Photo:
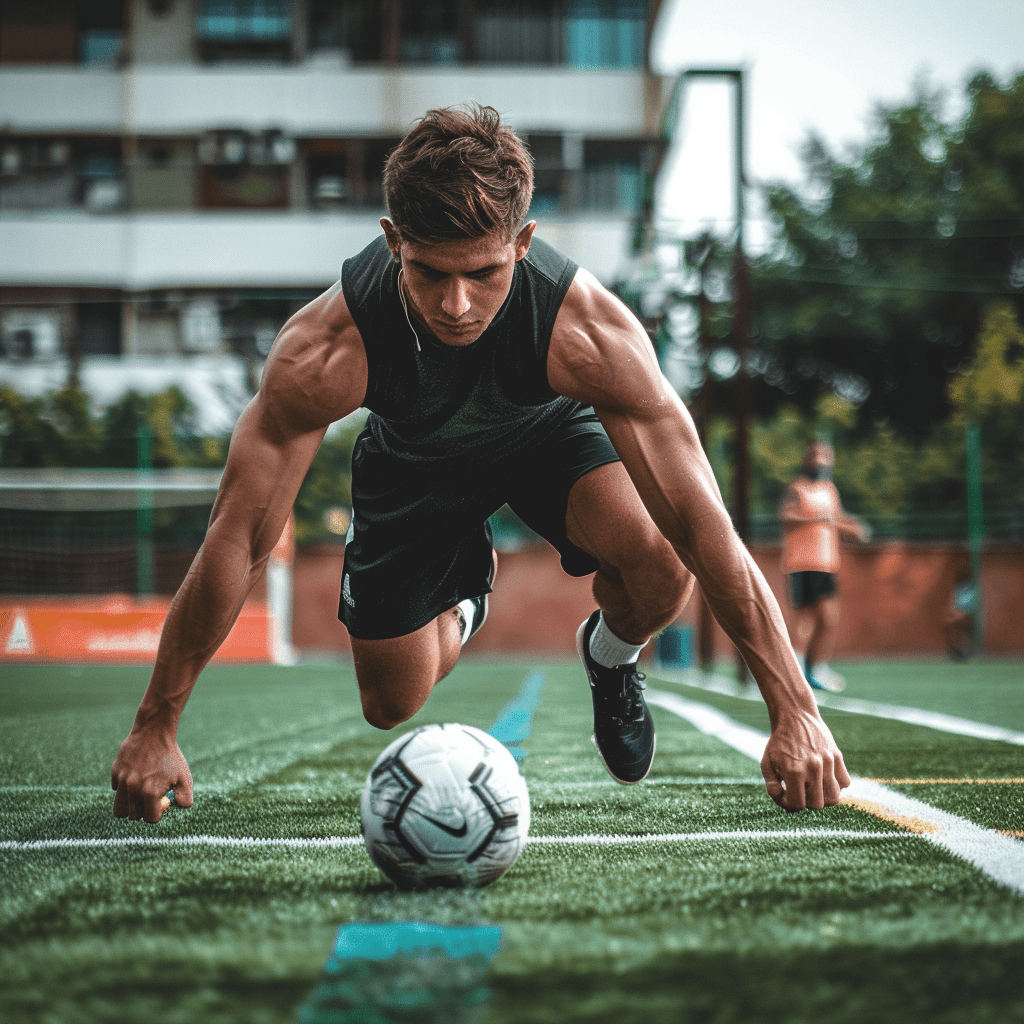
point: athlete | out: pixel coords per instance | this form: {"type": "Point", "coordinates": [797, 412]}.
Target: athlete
{"type": "Point", "coordinates": [494, 370]}
{"type": "Point", "coordinates": [813, 521]}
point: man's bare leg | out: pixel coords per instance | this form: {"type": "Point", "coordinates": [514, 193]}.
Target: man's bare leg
{"type": "Point", "coordinates": [822, 644]}
{"type": "Point", "coordinates": [396, 675]}
{"type": "Point", "coordinates": [804, 620]}
{"type": "Point", "coordinates": [826, 623]}
{"type": "Point", "coordinates": [641, 586]}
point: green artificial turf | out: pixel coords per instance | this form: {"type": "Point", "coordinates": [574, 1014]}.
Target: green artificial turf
{"type": "Point", "coordinates": [774, 927]}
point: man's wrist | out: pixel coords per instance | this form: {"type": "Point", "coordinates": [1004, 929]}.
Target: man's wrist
{"type": "Point", "coordinates": [157, 716]}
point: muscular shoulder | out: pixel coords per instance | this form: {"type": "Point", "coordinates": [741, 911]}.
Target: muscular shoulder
{"type": "Point", "coordinates": [600, 353]}
{"type": "Point", "coordinates": [316, 372]}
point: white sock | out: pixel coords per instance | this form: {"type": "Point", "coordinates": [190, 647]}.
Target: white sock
{"type": "Point", "coordinates": [468, 610]}
{"type": "Point", "coordinates": [609, 650]}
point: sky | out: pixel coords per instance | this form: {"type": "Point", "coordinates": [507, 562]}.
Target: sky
{"type": "Point", "coordinates": [809, 64]}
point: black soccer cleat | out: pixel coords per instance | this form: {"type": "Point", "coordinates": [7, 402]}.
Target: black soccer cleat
{"type": "Point", "coordinates": [623, 727]}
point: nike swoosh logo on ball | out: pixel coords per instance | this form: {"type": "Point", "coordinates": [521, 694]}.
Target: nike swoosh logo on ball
{"type": "Point", "coordinates": [457, 832]}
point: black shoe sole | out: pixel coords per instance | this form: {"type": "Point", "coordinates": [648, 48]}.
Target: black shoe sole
{"type": "Point", "coordinates": [626, 782]}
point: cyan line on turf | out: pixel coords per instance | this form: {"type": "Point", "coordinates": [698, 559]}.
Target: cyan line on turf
{"type": "Point", "coordinates": [435, 972]}
{"type": "Point", "coordinates": [515, 720]}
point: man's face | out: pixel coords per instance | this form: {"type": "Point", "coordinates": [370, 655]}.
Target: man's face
{"type": "Point", "coordinates": [455, 288]}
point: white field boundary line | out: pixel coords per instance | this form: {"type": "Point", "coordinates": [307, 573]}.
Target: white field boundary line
{"type": "Point", "coordinates": [339, 842]}
{"type": "Point", "coordinates": [999, 856]}
{"type": "Point", "coordinates": [203, 789]}
{"type": "Point", "coordinates": [897, 712]}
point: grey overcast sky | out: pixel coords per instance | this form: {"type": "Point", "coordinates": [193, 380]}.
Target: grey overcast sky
{"type": "Point", "coordinates": [811, 64]}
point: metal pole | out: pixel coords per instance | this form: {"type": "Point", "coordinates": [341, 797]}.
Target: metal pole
{"type": "Point", "coordinates": [144, 512]}
{"type": "Point", "coordinates": [975, 522]}
{"type": "Point", "coordinates": [705, 410]}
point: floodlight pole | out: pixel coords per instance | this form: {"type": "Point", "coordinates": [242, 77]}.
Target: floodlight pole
{"type": "Point", "coordinates": [740, 336]}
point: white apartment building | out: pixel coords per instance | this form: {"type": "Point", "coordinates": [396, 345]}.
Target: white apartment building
{"type": "Point", "coordinates": [178, 176]}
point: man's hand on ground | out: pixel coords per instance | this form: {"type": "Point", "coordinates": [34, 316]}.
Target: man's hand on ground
{"type": "Point", "coordinates": [147, 766]}
{"type": "Point", "coordinates": [802, 766]}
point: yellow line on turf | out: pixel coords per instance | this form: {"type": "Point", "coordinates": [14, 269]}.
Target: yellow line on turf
{"type": "Point", "coordinates": [948, 782]}
{"type": "Point", "coordinates": [1010, 832]}
{"type": "Point", "coordinates": [912, 824]}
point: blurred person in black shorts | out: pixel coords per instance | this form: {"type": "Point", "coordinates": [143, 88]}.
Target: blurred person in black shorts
{"type": "Point", "coordinates": [813, 521]}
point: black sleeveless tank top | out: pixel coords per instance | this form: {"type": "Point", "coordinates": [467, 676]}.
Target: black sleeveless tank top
{"type": "Point", "coordinates": [473, 403]}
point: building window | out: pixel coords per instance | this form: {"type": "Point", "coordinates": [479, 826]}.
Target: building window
{"type": "Point", "coordinates": [613, 175]}
{"type": "Point", "coordinates": [53, 174]}
{"type": "Point", "coordinates": [605, 33]}
{"type": "Point", "coordinates": [239, 170]}
{"type": "Point", "coordinates": [30, 334]}
{"type": "Point", "coordinates": [99, 329]}
{"type": "Point", "coordinates": [525, 33]}
{"type": "Point", "coordinates": [580, 33]}
{"type": "Point", "coordinates": [256, 29]}
{"type": "Point", "coordinates": [346, 173]}
{"type": "Point", "coordinates": [61, 31]}
{"type": "Point", "coordinates": [163, 175]}
{"type": "Point", "coordinates": [573, 174]}
{"type": "Point", "coordinates": [432, 32]}
{"type": "Point", "coordinates": [351, 28]}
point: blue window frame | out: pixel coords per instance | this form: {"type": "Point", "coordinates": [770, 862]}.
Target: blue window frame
{"type": "Point", "coordinates": [261, 21]}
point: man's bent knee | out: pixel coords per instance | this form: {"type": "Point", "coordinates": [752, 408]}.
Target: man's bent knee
{"type": "Point", "coordinates": [385, 711]}
{"type": "Point", "coordinates": [667, 583]}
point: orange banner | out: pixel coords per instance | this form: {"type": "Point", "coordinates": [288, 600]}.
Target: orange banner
{"type": "Point", "coordinates": [117, 628]}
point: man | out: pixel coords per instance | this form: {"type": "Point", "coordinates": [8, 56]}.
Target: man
{"type": "Point", "coordinates": [813, 521]}
{"type": "Point", "coordinates": [495, 371]}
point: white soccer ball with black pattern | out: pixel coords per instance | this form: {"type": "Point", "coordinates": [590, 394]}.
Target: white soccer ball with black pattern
{"type": "Point", "coordinates": [445, 805]}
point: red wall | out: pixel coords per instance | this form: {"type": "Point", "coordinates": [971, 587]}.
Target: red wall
{"type": "Point", "coordinates": [894, 597]}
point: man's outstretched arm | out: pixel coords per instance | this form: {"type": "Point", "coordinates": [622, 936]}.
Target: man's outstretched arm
{"type": "Point", "coordinates": [601, 355]}
{"type": "Point", "coordinates": [271, 449]}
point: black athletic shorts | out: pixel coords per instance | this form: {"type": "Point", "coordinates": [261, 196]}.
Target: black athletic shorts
{"type": "Point", "coordinates": [809, 587]}
{"type": "Point", "coordinates": [420, 542]}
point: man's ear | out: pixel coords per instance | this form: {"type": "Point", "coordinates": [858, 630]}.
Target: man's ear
{"type": "Point", "coordinates": [524, 238]}
{"type": "Point", "coordinates": [394, 239]}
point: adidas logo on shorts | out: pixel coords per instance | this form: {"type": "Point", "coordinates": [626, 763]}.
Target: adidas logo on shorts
{"type": "Point", "coordinates": [346, 592]}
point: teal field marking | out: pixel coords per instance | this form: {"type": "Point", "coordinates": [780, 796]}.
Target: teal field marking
{"type": "Point", "coordinates": [381, 941]}
{"type": "Point", "coordinates": [414, 970]}
{"type": "Point", "coordinates": [513, 724]}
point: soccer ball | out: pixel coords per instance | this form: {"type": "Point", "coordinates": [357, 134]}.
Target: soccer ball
{"type": "Point", "coordinates": [445, 805]}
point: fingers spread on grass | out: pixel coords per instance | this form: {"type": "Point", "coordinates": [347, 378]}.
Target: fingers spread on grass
{"type": "Point", "coordinates": [796, 792]}
{"type": "Point", "coordinates": [121, 800]}
{"type": "Point", "coordinates": [815, 787]}
{"type": "Point", "coordinates": [153, 807]}
{"type": "Point", "coordinates": [182, 785]}
{"type": "Point", "coordinates": [830, 781]}
{"type": "Point", "coordinates": [772, 782]}
{"type": "Point", "coordinates": [842, 775]}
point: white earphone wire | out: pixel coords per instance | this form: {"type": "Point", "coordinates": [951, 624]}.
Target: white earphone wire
{"type": "Point", "coordinates": [405, 309]}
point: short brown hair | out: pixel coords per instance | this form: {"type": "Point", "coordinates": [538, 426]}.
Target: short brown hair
{"type": "Point", "coordinates": [458, 174]}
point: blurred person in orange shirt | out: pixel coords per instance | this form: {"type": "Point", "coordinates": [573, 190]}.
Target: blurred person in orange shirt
{"type": "Point", "coordinates": [813, 521]}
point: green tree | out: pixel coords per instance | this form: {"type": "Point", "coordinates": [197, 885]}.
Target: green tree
{"type": "Point", "coordinates": [885, 261]}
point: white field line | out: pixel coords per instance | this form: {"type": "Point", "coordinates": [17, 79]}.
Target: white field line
{"type": "Point", "coordinates": [876, 709]}
{"type": "Point", "coordinates": [998, 856]}
{"type": "Point", "coordinates": [346, 784]}
{"type": "Point", "coordinates": [337, 842]}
